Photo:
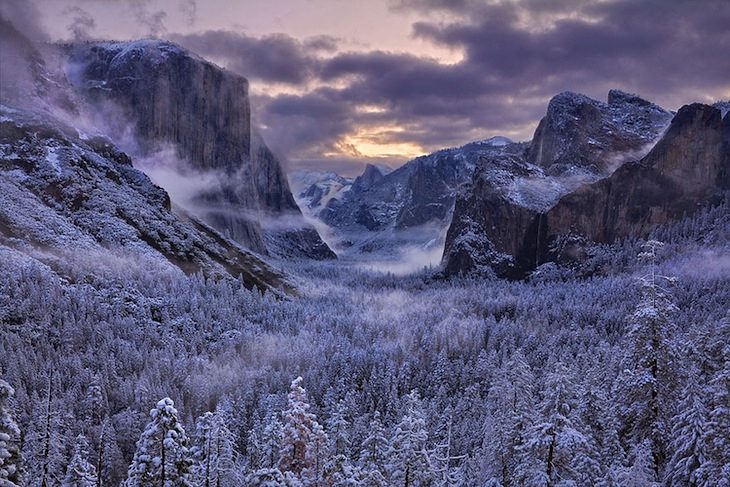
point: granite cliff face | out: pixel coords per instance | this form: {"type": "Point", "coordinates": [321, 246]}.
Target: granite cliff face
{"type": "Point", "coordinates": [579, 132]}
{"type": "Point", "coordinates": [495, 228]}
{"type": "Point", "coordinates": [175, 99]}
{"type": "Point", "coordinates": [688, 168]}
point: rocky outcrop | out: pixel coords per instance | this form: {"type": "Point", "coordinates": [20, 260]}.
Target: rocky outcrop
{"type": "Point", "coordinates": [579, 132]}
{"type": "Point", "coordinates": [687, 168]}
{"type": "Point", "coordinates": [493, 215]}
{"type": "Point", "coordinates": [175, 99]}
{"type": "Point", "coordinates": [369, 178]}
{"type": "Point", "coordinates": [286, 233]}
{"type": "Point", "coordinates": [272, 185]}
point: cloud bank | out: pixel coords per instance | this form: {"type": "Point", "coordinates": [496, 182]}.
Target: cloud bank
{"type": "Point", "coordinates": [323, 104]}
{"type": "Point", "coordinates": [515, 56]}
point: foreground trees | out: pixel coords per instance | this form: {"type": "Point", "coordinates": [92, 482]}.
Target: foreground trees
{"type": "Point", "coordinates": [162, 457]}
{"type": "Point", "coordinates": [551, 380]}
{"type": "Point", "coordinates": [10, 458]}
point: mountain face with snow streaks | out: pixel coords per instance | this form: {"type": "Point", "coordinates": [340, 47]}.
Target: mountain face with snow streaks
{"type": "Point", "coordinates": [627, 184]}
{"type": "Point", "coordinates": [172, 98]}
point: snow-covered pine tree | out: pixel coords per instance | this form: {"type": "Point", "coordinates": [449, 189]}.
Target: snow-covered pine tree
{"type": "Point", "coordinates": [410, 464]}
{"type": "Point", "coordinates": [10, 457]}
{"type": "Point", "coordinates": [687, 445]}
{"type": "Point", "coordinates": [595, 412]}
{"type": "Point", "coordinates": [44, 444]}
{"type": "Point", "coordinates": [339, 430]}
{"type": "Point", "coordinates": [642, 472]}
{"type": "Point", "coordinates": [298, 427]}
{"type": "Point", "coordinates": [373, 456]}
{"type": "Point", "coordinates": [270, 477]}
{"type": "Point", "coordinates": [339, 472]}
{"type": "Point", "coordinates": [213, 452]}
{"type": "Point", "coordinates": [162, 458]}
{"type": "Point", "coordinates": [443, 457]}
{"type": "Point", "coordinates": [80, 473]}
{"type": "Point", "coordinates": [316, 457]}
{"type": "Point", "coordinates": [649, 365]}
{"type": "Point", "coordinates": [555, 450]}
{"type": "Point", "coordinates": [716, 470]}
{"type": "Point", "coordinates": [264, 441]}
{"type": "Point", "coordinates": [511, 409]}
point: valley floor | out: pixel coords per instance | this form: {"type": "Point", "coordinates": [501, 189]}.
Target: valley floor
{"type": "Point", "coordinates": [411, 380]}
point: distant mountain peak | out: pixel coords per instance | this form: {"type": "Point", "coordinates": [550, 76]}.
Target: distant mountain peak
{"type": "Point", "coordinates": [498, 141]}
{"type": "Point", "coordinates": [371, 175]}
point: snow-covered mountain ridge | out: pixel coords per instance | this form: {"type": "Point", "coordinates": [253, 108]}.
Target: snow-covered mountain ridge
{"type": "Point", "coordinates": [555, 214]}
{"type": "Point", "coordinates": [385, 214]}
{"type": "Point", "coordinates": [580, 141]}
{"type": "Point", "coordinates": [68, 197]}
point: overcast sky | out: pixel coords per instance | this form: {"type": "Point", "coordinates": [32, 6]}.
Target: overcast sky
{"type": "Point", "coordinates": [335, 83]}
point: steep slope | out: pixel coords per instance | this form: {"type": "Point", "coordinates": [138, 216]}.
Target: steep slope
{"type": "Point", "coordinates": [286, 233]}
{"type": "Point", "coordinates": [686, 169]}
{"type": "Point", "coordinates": [173, 98]}
{"type": "Point", "coordinates": [66, 195]}
{"type": "Point", "coordinates": [497, 221]}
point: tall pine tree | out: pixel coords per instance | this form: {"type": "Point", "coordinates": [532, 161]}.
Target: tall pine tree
{"type": "Point", "coordinates": [649, 366]}
{"type": "Point", "coordinates": [10, 458]}
{"type": "Point", "coordinates": [80, 473]}
{"type": "Point", "coordinates": [162, 458]}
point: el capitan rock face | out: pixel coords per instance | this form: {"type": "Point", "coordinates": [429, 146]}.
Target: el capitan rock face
{"type": "Point", "coordinates": [686, 169]}
{"type": "Point", "coordinates": [174, 98]}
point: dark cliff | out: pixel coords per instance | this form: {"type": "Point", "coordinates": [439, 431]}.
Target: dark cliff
{"type": "Point", "coordinates": [175, 99]}
{"type": "Point", "coordinates": [686, 169]}
{"type": "Point", "coordinates": [286, 232]}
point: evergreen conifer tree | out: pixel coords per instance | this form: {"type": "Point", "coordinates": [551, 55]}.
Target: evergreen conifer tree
{"type": "Point", "coordinates": [298, 427]}
{"type": "Point", "coordinates": [80, 473]}
{"type": "Point", "coordinates": [649, 365]}
{"type": "Point", "coordinates": [10, 457]}
{"type": "Point", "coordinates": [162, 458]}
{"type": "Point", "coordinates": [410, 464]}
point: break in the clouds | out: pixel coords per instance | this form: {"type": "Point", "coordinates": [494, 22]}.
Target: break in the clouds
{"type": "Point", "coordinates": [332, 101]}
{"type": "Point", "coordinates": [515, 55]}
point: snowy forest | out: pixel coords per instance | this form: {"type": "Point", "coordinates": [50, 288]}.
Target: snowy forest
{"type": "Point", "coordinates": [612, 372]}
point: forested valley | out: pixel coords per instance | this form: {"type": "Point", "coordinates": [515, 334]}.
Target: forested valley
{"type": "Point", "coordinates": [612, 372]}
